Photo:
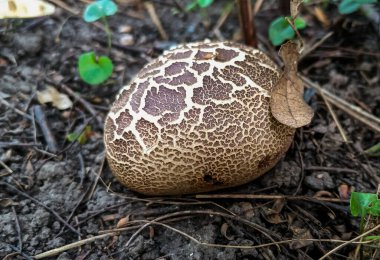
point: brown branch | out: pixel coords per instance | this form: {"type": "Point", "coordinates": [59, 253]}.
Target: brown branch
{"type": "Point", "coordinates": [246, 22]}
{"type": "Point", "coordinates": [40, 117]}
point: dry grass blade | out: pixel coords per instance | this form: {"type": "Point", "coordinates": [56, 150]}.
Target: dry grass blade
{"type": "Point", "coordinates": [156, 21]}
{"type": "Point", "coordinates": [356, 112]}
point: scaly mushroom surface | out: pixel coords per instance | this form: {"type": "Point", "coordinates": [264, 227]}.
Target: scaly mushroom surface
{"type": "Point", "coordinates": [196, 119]}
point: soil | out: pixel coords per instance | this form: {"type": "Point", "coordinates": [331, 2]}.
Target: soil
{"type": "Point", "coordinates": [55, 196]}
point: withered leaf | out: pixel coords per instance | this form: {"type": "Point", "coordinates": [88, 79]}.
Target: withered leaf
{"type": "Point", "coordinates": [287, 103]}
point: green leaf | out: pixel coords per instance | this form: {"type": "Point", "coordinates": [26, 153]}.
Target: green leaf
{"type": "Point", "coordinates": [204, 3]}
{"type": "Point", "coordinates": [364, 203]}
{"type": "Point", "coordinates": [80, 137]}
{"type": "Point", "coordinates": [365, 1]}
{"type": "Point", "coordinates": [99, 9]}
{"type": "Point", "coordinates": [94, 71]}
{"type": "Point", "coordinates": [299, 23]}
{"type": "Point", "coordinates": [373, 151]}
{"type": "Point", "coordinates": [348, 6]}
{"type": "Point", "coordinates": [280, 30]}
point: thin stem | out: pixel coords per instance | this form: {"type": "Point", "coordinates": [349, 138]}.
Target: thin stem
{"type": "Point", "coordinates": [108, 32]}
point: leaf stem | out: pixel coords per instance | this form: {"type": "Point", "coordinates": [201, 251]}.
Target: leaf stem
{"type": "Point", "coordinates": [108, 32]}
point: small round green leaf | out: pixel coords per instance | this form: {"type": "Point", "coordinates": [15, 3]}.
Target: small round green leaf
{"type": "Point", "coordinates": [94, 71]}
{"type": "Point", "coordinates": [299, 23]}
{"type": "Point", "coordinates": [280, 30]}
{"type": "Point", "coordinates": [99, 9]}
{"type": "Point", "coordinates": [204, 3]}
{"type": "Point", "coordinates": [348, 6]}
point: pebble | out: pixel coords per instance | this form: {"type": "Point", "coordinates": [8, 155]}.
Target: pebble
{"type": "Point", "coordinates": [127, 39]}
{"type": "Point", "coordinates": [319, 181]}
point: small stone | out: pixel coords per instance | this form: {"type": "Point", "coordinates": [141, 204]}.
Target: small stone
{"type": "Point", "coordinates": [319, 181]}
{"type": "Point", "coordinates": [127, 40]}
{"type": "Point", "coordinates": [30, 43]}
{"type": "Point", "coordinates": [125, 28]}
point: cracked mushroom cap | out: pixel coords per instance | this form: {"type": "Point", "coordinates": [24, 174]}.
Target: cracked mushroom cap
{"type": "Point", "coordinates": [196, 119]}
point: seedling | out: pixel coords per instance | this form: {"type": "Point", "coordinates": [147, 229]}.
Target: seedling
{"type": "Point", "coordinates": [81, 137]}
{"type": "Point", "coordinates": [350, 6]}
{"type": "Point", "coordinates": [95, 70]}
{"type": "Point", "coordinates": [198, 3]}
{"type": "Point", "coordinates": [280, 30]}
{"type": "Point", "coordinates": [363, 204]}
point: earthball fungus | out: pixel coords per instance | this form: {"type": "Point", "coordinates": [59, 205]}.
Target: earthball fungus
{"type": "Point", "coordinates": [196, 119]}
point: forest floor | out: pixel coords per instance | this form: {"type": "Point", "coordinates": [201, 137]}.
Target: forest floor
{"type": "Point", "coordinates": [56, 196]}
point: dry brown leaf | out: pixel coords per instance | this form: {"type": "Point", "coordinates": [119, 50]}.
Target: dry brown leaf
{"type": "Point", "coordinates": [301, 234]}
{"type": "Point", "coordinates": [223, 230]}
{"type": "Point", "coordinates": [287, 103]}
{"type": "Point", "coordinates": [123, 222]}
{"type": "Point", "coordinates": [59, 100]}
{"type": "Point", "coordinates": [7, 202]}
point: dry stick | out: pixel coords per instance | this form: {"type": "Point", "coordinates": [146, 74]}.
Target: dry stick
{"type": "Point", "coordinates": [261, 229]}
{"type": "Point", "coordinates": [84, 103]}
{"type": "Point", "coordinates": [246, 22]}
{"type": "Point", "coordinates": [58, 250]}
{"type": "Point", "coordinates": [18, 111]}
{"type": "Point", "coordinates": [18, 228]}
{"type": "Point", "coordinates": [350, 242]}
{"type": "Point", "coordinates": [220, 22]}
{"type": "Point", "coordinates": [64, 6]}
{"type": "Point", "coordinates": [265, 197]}
{"type": "Point", "coordinates": [40, 117]}
{"type": "Point", "coordinates": [330, 169]}
{"type": "Point", "coordinates": [156, 21]}
{"type": "Point", "coordinates": [335, 118]}
{"type": "Point", "coordinates": [356, 112]}
{"type": "Point", "coordinates": [42, 205]}
{"type": "Point", "coordinates": [307, 51]}
{"type": "Point", "coordinates": [9, 170]}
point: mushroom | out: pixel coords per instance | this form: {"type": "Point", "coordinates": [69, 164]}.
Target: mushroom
{"type": "Point", "coordinates": [196, 119]}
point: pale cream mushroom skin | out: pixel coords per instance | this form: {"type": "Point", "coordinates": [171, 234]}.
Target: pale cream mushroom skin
{"type": "Point", "coordinates": [196, 119]}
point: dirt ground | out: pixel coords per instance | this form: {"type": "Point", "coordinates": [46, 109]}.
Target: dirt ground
{"type": "Point", "coordinates": [49, 199]}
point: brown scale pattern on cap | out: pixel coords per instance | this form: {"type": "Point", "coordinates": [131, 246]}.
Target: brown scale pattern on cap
{"type": "Point", "coordinates": [196, 119]}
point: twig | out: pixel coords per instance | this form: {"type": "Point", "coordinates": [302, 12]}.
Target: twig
{"type": "Point", "coordinates": [156, 21]}
{"type": "Point", "coordinates": [97, 177]}
{"type": "Point", "coordinates": [40, 117]}
{"type": "Point", "coordinates": [261, 229]}
{"type": "Point", "coordinates": [9, 170]}
{"type": "Point", "coordinates": [16, 144]}
{"type": "Point", "coordinates": [335, 118]}
{"type": "Point", "coordinates": [58, 250]}
{"type": "Point", "coordinates": [18, 111]}
{"type": "Point", "coordinates": [18, 228]}
{"type": "Point", "coordinates": [64, 6]}
{"type": "Point", "coordinates": [350, 242]}
{"type": "Point", "coordinates": [266, 197]}
{"type": "Point", "coordinates": [330, 169]}
{"type": "Point", "coordinates": [307, 51]}
{"type": "Point", "coordinates": [356, 112]}
{"type": "Point", "coordinates": [40, 204]}
{"type": "Point", "coordinates": [246, 22]}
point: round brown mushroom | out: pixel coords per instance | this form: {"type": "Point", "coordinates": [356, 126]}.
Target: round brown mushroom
{"type": "Point", "coordinates": [196, 119]}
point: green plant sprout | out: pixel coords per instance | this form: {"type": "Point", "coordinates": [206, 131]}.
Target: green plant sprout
{"type": "Point", "coordinates": [82, 137]}
{"type": "Point", "coordinates": [350, 6]}
{"type": "Point", "coordinates": [95, 70]}
{"type": "Point", "coordinates": [280, 30]}
{"type": "Point", "coordinates": [363, 204]}
{"type": "Point", "coordinates": [373, 151]}
{"type": "Point", "coordinates": [198, 3]}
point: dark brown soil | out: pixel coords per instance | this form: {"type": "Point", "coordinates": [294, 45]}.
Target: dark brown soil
{"type": "Point", "coordinates": [49, 198]}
